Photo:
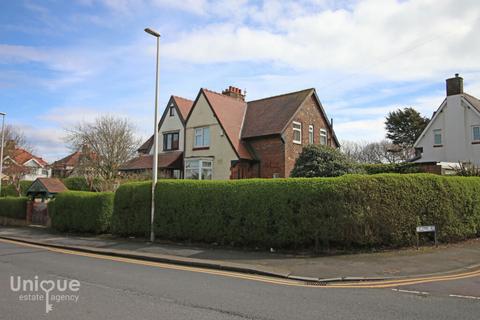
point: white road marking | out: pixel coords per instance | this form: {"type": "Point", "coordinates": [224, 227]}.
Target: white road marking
{"type": "Point", "coordinates": [411, 291]}
{"type": "Point", "coordinates": [464, 297]}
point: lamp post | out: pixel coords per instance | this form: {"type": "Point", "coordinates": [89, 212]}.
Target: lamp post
{"type": "Point", "coordinates": [155, 137]}
{"type": "Point", "coordinates": [3, 114]}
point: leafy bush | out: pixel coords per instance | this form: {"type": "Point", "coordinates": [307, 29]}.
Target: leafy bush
{"type": "Point", "coordinates": [51, 208]}
{"type": "Point", "coordinates": [13, 207]}
{"type": "Point", "coordinates": [24, 185]}
{"type": "Point", "coordinates": [132, 209]}
{"type": "Point", "coordinates": [404, 167]}
{"type": "Point", "coordinates": [81, 211]}
{"type": "Point", "coordinates": [76, 184]}
{"type": "Point", "coordinates": [9, 190]}
{"type": "Point", "coordinates": [321, 161]}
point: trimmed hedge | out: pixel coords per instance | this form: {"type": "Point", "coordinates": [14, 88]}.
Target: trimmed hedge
{"type": "Point", "coordinates": [80, 211]}
{"type": "Point", "coordinates": [348, 211]}
{"type": "Point", "coordinates": [131, 215]}
{"type": "Point", "coordinates": [13, 207]}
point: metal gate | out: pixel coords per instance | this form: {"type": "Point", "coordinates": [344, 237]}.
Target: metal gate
{"type": "Point", "coordinates": [39, 213]}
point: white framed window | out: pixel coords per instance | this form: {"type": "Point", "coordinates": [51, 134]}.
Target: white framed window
{"type": "Point", "coordinates": [297, 132]}
{"type": "Point", "coordinates": [476, 133]}
{"type": "Point", "coordinates": [310, 134]}
{"type": "Point", "coordinates": [202, 137]}
{"type": "Point", "coordinates": [198, 169]}
{"type": "Point", "coordinates": [323, 136]}
{"type": "Point", "coordinates": [437, 137]}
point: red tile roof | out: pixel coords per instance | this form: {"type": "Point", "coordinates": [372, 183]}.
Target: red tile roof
{"type": "Point", "coordinates": [21, 156]}
{"type": "Point", "coordinates": [230, 113]}
{"type": "Point", "coordinates": [165, 160]}
{"type": "Point", "coordinates": [69, 161]}
{"type": "Point", "coordinates": [184, 105]}
{"type": "Point", "coordinates": [271, 115]}
{"type": "Point", "coordinates": [53, 185]}
{"type": "Point", "coordinates": [146, 146]}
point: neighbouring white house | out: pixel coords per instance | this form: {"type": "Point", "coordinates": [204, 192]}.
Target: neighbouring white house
{"type": "Point", "coordinates": [453, 134]}
{"type": "Point", "coordinates": [171, 132]}
{"type": "Point", "coordinates": [22, 165]}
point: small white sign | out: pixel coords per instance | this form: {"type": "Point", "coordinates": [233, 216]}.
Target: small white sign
{"type": "Point", "coordinates": [426, 229]}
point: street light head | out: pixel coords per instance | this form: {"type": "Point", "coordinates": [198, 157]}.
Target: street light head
{"type": "Point", "coordinates": [152, 32]}
{"type": "Point", "coordinates": [3, 114]}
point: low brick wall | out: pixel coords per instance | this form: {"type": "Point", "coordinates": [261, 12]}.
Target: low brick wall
{"type": "Point", "coordinates": [10, 222]}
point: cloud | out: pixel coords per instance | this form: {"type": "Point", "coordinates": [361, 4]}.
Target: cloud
{"type": "Point", "coordinates": [390, 39]}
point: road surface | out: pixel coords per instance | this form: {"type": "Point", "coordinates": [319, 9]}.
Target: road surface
{"type": "Point", "coordinates": [116, 288]}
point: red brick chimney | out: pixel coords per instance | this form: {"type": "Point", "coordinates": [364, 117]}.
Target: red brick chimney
{"type": "Point", "coordinates": [234, 93]}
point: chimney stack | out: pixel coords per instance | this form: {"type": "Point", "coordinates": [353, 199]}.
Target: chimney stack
{"type": "Point", "coordinates": [454, 85]}
{"type": "Point", "coordinates": [234, 93]}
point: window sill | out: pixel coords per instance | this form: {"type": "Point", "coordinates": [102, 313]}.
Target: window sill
{"type": "Point", "coordinates": [438, 145]}
{"type": "Point", "coordinates": [200, 148]}
{"type": "Point", "coordinates": [476, 142]}
{"type": "Point", "coordinates": [297, 142]}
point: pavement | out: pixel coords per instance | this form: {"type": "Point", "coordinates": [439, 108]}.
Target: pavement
{"type": "Point", "coordinates": [393, 264]}
{"type": "Point", "coordinates": [112, 288]}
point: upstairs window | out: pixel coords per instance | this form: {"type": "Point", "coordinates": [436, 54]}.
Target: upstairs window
{"type": "Point", "coordinates": [297, 132]}
{"type": "Point", "coordinates": [437, 137]}
{"type": "Point", "coordinates": [476, 134]}
{"type": "Point", "coordinates": [310, 134]}
{"type": "Point", "coordinates": [323, 136]}
{"type": "Point", "coordinates": [172, 111]}
{"type": "Point", "coordinates": [202, 137]}
{"type": "Point", "coordinates": [170, 141]}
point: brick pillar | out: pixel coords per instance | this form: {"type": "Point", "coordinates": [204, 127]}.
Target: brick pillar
{"type": "Point", "coordinates": [29, 211]}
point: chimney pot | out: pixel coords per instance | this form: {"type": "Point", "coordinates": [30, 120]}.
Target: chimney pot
{"type": "Point", "coordinates": [454, 85]}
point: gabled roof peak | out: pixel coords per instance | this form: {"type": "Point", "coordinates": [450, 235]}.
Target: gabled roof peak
{"type": "Point", "coordinates": [282, 95]}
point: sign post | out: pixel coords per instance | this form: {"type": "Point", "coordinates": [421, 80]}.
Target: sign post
{"type": "Point", "coordinates": [423, 229]}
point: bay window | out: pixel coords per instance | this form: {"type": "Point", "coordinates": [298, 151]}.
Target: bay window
{"type": "Point", "coordinates": [198, 169]}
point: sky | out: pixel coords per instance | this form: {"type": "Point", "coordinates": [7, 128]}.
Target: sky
{"type": "Point", "coordinates": [64, 62]}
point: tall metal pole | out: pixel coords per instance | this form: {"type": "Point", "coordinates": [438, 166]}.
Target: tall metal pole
{"type": "Point", "coordinates": [1, 151]}
{"type": "Point", "coordinates": [155, 137]}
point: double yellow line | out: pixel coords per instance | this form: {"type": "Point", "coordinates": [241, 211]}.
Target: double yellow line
{"type": "Point", "coordinates": [265, 279]}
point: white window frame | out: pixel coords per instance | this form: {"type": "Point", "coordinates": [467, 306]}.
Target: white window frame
{"type": "Point", "coordinates": [323, 135]}
{"type": "Point", "coordinates": [435, 131]}
{"type": "Point", "coordinates": [200, 132]}
{"type": "Point", "coordinates": [200, 168]}
{"type": "Point", "coordinates": [473, 133]}
{"type": "Point", "coordinates": [299, 130]}
{"type": "Point", "coordinates": [311, 134]}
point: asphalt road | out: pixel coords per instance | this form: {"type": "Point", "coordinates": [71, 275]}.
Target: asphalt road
{"type": "Point", "coordinates": [111, 289]}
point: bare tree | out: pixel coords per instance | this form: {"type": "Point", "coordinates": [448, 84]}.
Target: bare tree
{"type": "Point", "coordinates": [374, 152]}
{"type": "Point", "coordinates": [14, 137]}
{"type": "Point", "coordinates": [111, 141]}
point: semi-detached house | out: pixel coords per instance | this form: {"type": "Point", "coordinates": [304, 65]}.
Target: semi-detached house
{"type": "Point", "coordinates": [229, 138]}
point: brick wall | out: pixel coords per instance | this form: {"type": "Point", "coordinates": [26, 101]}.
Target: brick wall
{"type": "Point", "coordinates": [270, 151]}
{"type": "Point", "coordinates": [309, 114]}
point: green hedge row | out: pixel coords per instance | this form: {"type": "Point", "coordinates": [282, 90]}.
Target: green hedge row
{"type": "Point", "coordinates": [347, 211]}
{"type": "Point", "coordinates": [132, 209]}
{"type": "Point", "coordinates": [80, 211]}
{"type": "Point", "coordinates": [13, 207]}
